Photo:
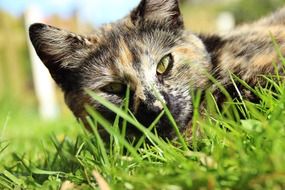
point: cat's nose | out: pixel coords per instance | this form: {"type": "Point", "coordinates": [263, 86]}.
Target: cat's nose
{"type": "Point", "coordinates": [147, 112]}
{"type": "Point", "coordinates": [146, 101]}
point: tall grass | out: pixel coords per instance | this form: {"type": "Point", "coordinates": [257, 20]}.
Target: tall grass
{"type": "Point", "coordinates": [228, 153]}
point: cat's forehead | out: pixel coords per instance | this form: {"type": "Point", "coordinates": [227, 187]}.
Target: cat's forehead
{"type": "Point", "coordinates": [146, 32]}
{"type": "Point", "coordinates": [123, 39]}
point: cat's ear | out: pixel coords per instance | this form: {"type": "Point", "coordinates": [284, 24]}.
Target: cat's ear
{"type": "Point", "coordinates": [56, 47]}
{"type": "Point", "coordinates": [59, 50]}
{"type": "Point", "coordinates": [163, 11]}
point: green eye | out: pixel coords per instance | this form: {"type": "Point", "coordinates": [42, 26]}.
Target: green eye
{"type": "Point", "coordinates": [164, 64]}
{"type": "Point", "coordinates": [115, 88]}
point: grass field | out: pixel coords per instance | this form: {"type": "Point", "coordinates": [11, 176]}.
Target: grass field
{"type": "Point", "coordinates": [229, 153]}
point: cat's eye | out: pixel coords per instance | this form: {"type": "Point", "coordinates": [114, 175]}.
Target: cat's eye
{"type": "Point", "coordinates": [115, 88]}
{"type": "Point", "coordinates": [164, 65]}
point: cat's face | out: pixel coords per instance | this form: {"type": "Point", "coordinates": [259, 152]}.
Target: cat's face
{"type": "Point", "coordinates": [146, 50]}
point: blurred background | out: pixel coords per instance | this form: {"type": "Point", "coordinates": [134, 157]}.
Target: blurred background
{"type": "Point", "coordinates": [21, 87]}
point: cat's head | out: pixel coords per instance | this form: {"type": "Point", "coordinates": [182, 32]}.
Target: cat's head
{"type": "Point", "coordinates": [148, 49]}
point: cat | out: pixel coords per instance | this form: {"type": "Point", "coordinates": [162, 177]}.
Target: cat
{"type": "Point", "coordinates": [150, 49]}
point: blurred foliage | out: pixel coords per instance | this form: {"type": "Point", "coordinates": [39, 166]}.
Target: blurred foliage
{"type": "Point", "coordinates": [16, 82]}
{"type": "Point", "coordinates": [15, 70]}
{"type": "Point", "coordinates": [249, 10]}
{"type": "Point", "coordinates": [200, 17]}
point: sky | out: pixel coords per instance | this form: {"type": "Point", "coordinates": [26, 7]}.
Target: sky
{"type": "Point", "coordinates": [93, 11]}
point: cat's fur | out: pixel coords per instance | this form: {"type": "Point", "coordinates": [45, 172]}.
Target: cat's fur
{"type": "Point", "coordinates": [129, 50]}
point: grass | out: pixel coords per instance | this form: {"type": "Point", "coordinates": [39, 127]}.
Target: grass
{"type": "Point", "coordinates": [229, 153]}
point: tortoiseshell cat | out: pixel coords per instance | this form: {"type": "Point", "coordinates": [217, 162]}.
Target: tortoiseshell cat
{"type": "Point", "coordinates": [150, 49]}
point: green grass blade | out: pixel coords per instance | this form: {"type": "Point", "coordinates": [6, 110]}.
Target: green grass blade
{"type": "Point", "coordinates": [172, 121]}
{"type": "Point", "coordinates": [45, 172]}
{"type": "Point", "coordinates": [150, 128]}
{"type": "Point", "coordinates": [5, 183]}
{"type": "Point", "coordinates": [99, 142]}
{"type": "Point", "coordinates": [108, 127]}
{"type": "Point", "coordinates": [125, 116]}
{"type": "Point", "coordinates": [126, 108]}
{"type": "Point", "coordinates": [14, 179]}
{"type": "Point", "coordinates": [196, 113]}
{"type": "Point", "coordinates": [239, 94]}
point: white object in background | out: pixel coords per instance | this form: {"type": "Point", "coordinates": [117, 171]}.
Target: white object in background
{"type": "Point", "coordinates": [225, 22]}
{"type": "Point", "coordinates": [43, 83]}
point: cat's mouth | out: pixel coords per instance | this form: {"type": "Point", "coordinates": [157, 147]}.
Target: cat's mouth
{"type": "Point", "coordinates": [148, 115]}
{"type": "Point", "coordinates": [163, 128]}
